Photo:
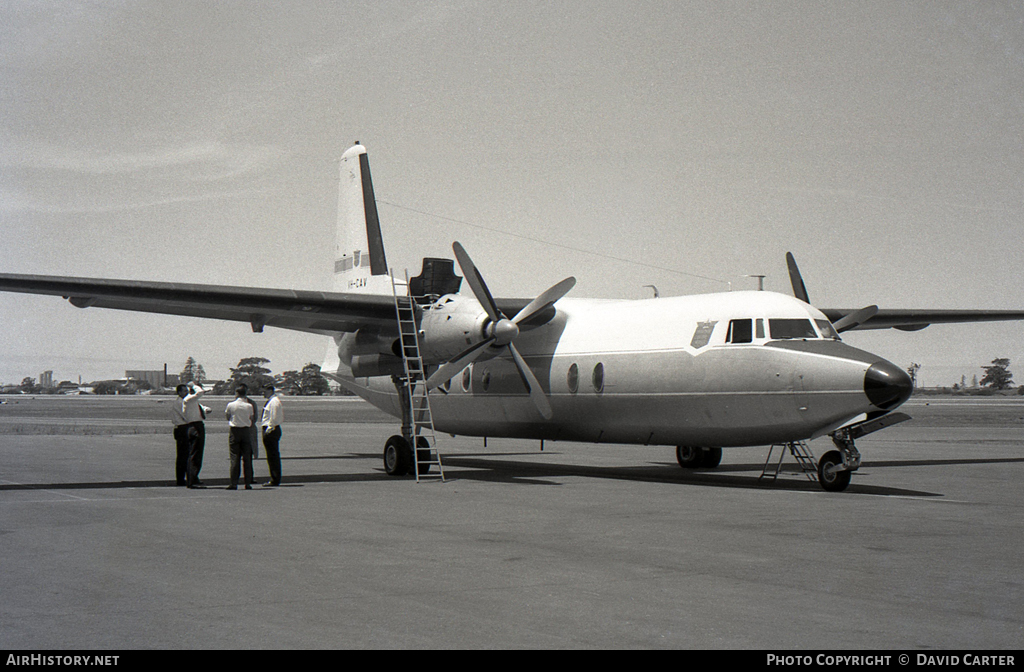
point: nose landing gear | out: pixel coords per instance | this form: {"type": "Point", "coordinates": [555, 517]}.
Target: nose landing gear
{"type": "Point", "coordinates": [835, 467]}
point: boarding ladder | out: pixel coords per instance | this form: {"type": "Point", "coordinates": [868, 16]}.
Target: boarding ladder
{"type": "Point", "coordinates": [800, 452]}
{"type": "Point", "coordinates": [419, 430]}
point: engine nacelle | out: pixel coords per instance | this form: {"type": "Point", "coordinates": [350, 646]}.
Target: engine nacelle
{"type": "Point", "coordinates": [369, 366]}
{"type": "Point", "coordinates": [369, 352]}
{"type": "Point", "coordinates": [449, 326]}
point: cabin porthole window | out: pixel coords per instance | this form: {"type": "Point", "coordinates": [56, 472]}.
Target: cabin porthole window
{"type": "Point", "coordinates": [485, 380]}
{"type": "Point", "coordinates": [598, 378]}
{"type": "Point", "coordinates": [572, 378]}
{"type": "Point", "coordinates": [467, 378]}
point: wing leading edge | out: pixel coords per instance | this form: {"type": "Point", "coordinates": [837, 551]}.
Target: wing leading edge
{"type": "Point", "coordinates": [914, 320]}
{"type": "Point", "coordinates": [317, 312]}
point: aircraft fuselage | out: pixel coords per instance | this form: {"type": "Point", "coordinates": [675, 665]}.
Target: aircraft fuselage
{"type": "Point", "coordinates": [730, 369]}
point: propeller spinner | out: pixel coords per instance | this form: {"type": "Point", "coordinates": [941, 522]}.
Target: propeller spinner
{"type": "Point", "coordinates": [501, 331]}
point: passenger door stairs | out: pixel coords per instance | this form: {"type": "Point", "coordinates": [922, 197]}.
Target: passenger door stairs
{"type": "Point", "coordinates": [800, 451]}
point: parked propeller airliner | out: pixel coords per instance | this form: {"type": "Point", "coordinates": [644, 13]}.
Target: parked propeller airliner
{"type": "Point", "coordinates": [696, 372]}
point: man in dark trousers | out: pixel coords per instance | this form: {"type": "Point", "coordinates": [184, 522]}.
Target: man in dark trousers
{"type": "Point", "coordinates": [273, 416]}
{"type": "Point", "coordinates": [240, 417]}
{"type": "Point", "coordinates": [194, 413]}
{"type": "Point", "coordinates": [180, 435]}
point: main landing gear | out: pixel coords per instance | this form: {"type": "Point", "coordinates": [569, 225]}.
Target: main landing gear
{"type": "Point", "coordinates": [698, 457]}
{"type": "Point", "coordinates": [398, 458]}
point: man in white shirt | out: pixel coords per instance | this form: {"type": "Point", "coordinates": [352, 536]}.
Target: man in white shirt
{"type": "Point", "coordinates": [193, 414]}
{"type": "Point", "coordinates": [240, 418]}
{"type": "Point", "coordinates": [181, 440]}
{"type": "Point", "coordinates": [273, 416]}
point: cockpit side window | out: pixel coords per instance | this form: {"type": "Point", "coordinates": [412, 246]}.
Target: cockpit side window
{"type": "Point", "coordinates": [781, 328]}
{"type": "Point", "coordinates": [827, 330]}
{"type": "Point", "coordinates": [740, 331]}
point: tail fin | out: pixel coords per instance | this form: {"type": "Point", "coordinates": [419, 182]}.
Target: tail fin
{"type": "Point", "coordinates": [359, 262]}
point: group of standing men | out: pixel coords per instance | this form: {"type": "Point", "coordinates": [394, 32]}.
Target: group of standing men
{"type": "Point", "coordinates": [188, 415]}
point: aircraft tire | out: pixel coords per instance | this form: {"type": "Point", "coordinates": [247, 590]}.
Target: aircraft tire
{"type": "Point", "coordinates": [698, 457]}
{"type": "Point", "coordinates": [836, 481]}
{"type": "Point", "coordinates": [422, 454]}
{"type": "Point", "coordinates": [397, 456]}
{"type": "Point", "coordinates": [690, 457]}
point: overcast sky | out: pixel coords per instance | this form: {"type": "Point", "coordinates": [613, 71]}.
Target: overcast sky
{"type": "Point", "coordinates": [680, 144]}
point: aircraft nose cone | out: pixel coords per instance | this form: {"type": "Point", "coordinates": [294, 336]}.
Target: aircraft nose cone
{"type": "Point", "coordinates": [886, 385]}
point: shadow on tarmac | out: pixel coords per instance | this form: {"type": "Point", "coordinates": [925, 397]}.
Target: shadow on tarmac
{"type": "Point", "coordinates": [486, 468]}
{"type": "Point", "coordinates": [663, 472]}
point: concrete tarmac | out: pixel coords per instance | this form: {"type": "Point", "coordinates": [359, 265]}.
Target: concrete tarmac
{"type": "Point", "coordinates": [578, 546]}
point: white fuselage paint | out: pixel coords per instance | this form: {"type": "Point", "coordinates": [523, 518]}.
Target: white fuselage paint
{"type": "Point", "coordinates": [654, 384]}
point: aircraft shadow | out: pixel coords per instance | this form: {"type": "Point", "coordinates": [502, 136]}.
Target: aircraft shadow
{"type": "Point", "coordinates": [488, 467]}
{"type": "Point", "coordinates": [505, 471]}
{"type": "Point", "coordinates": [943, 463]}
{"type": "Point", "coordinates": [349, 456]}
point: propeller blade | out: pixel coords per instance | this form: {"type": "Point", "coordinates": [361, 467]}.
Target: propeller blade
{"type": "Point", "coordinates": [847, 322]}
{"type": "Point", "coordinates": [503, 331]}
{"type": "Point", "coordinates": [548, 297]}
{"type": "Point", "coordinates": [451, 368]}
{"type": "Point", "coordinates": [540, 399]}
{"type": "Point", "coordinates": [476, 283]}
{"type": "Point", "coordinates": [799, 290]}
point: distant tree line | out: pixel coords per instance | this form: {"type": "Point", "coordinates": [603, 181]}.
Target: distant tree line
{"type": "Point", "coordinates": [252, 371]}
{"type": "Point", "coordinates": [998, 378]}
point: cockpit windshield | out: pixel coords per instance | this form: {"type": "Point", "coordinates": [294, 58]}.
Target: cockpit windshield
{"type": "Point", "coordinates": [781, 328]}
{"type": "Point", "coordinates": [827, 330]}
{"type": "Point", "coordinates": [747, 330]}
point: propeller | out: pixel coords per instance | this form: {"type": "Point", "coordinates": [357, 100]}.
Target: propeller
{"type": "Point", "coordinates": [501, 331]}
{"type": "Point", "coordinates": [799, 290]}
{"type": "Point", "coordinates": [851, 320]}
{"type": "Point", "coordinates": [846, 322]}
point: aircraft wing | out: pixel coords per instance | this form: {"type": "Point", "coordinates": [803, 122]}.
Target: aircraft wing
{"type": "Point", "coordinates": [317, 312]}
{"type": "Point", "coordinates": [913, 320]}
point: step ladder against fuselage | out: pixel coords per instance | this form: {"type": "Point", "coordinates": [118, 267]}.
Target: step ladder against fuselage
{"type": "Point", "coordinates": [800, 451]}
{"type": "Point", "coordinates": [417, 421]}
{"type": "Point", "coordinates": [842, 438]}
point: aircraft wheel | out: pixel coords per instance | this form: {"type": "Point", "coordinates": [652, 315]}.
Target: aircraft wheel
{"type": "Point", "coordinates": [690, 457]}
{"type": "Point", "coordinates": [697, 457]}
{"type": "Point", "coordinates": [397, 456]}
{"type": "Point", "coordinates": [835, 481]}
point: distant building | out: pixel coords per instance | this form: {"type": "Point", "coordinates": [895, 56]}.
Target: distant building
{"type": "Point", "coordinates": [154, 378]}
{"type": "Point", "coordinates": [46, 379]}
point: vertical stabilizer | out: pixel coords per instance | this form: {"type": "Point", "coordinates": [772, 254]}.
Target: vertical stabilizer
{"type": "Point", "coordinates": [359, 262]}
